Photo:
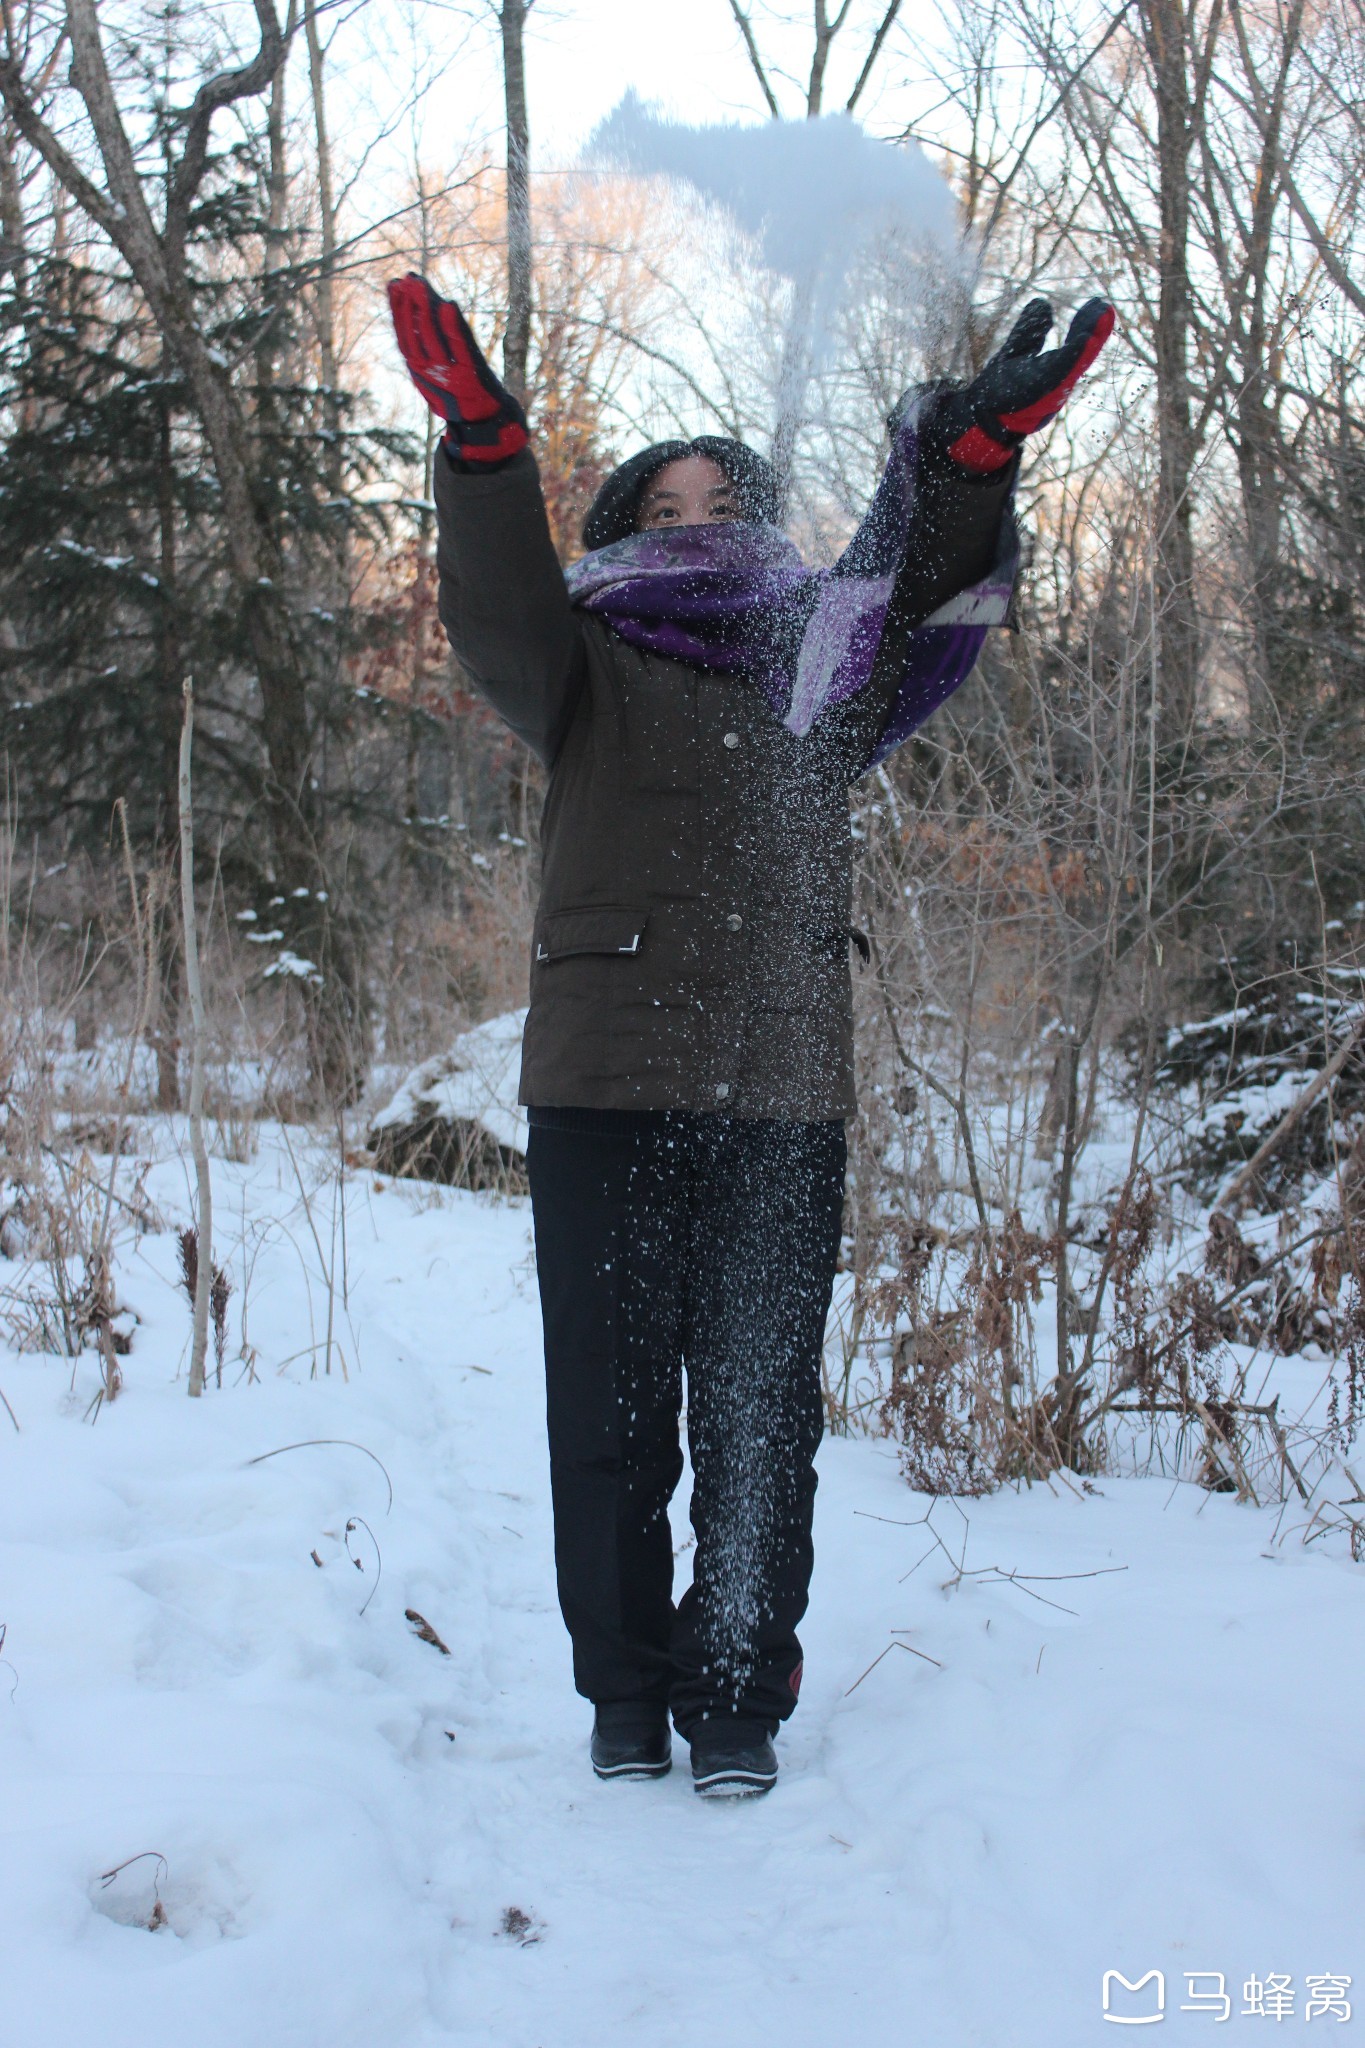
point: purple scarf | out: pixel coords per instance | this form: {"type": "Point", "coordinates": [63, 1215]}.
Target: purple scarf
{"type": "Point", "coordinates": [740, 599]}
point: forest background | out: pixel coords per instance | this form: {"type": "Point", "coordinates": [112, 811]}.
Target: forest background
{"type": "Point", "coordinates": [1124, 864]}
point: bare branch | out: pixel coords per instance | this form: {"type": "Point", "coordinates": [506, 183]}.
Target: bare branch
{"type": "Point", "coordinates": [36, 132]}
{"type": "Point", "coordinates": [746, 29]}
{"type": "Point", "coordinates": [90, 76]}
{"type": "Point", "coordinates": [874, 51]}
{"type": "Point", "coordinates": [214, 94]}
{"type": "Point", "coordinates": [1265, 117]}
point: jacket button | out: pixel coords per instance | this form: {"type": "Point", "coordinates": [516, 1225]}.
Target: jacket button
{"type": "Point", "coordinates": [722, 1090]}
{"type": "Point", "coordinates": [735, 921]}
{"type": "Point", "coordinates": [731, 740]}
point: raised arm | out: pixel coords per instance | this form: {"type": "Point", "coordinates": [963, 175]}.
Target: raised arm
{"type": "Point", "coordinates": [940, 526]}
{"type": "Point", "coordinates": [935, 520]}
{"type": "Point", "coordinates": [502, 597]}
{"type": "Point", "coordinates": [933, 526]}
{"type": "Point", "coordinates": [932, 533]}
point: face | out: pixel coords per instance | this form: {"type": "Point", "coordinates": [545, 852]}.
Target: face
{"type": "Point", "coordinates": [692, 491]}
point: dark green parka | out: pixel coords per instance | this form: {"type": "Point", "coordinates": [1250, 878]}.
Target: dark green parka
{"type": "Point", "coordinates": [691, 948]}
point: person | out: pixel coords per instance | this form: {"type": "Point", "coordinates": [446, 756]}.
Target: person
{"type": "Point", "coordinates": [701, 702]}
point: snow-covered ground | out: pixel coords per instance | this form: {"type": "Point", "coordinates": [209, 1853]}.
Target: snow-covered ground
{"type": "Point", "coordinates": [1146, 1755]}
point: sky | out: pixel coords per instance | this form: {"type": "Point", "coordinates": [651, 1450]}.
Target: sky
{"type": "Point", "coordinates": [582, 56]}
{"type": "Point", "coordinates": [684, 54]}
{"type": "Point", "coordinates": [684, 58]}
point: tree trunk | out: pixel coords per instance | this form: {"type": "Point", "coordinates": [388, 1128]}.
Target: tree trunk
{"type": "Point", "coordinates": [327, 263]}
{"type": "Point", "coordinates": [1163, 28]}
{"type": "Point", "coordinates": [1257, 436]}
{"type": "Point", "coordinates": [14, 256]}
{"type": "Point", "coordinates": [824, 36]}
{"type": "Point", "coordinates": [1257, 467]}
{"type": "Point", "coordinates": [516, 345]}
{"type": "Point", "coordinates": [203, 1179]}
{"type": "Point", "coordinates": [170, 713]}
{"type": "Point", "coordinates": [11, 205]}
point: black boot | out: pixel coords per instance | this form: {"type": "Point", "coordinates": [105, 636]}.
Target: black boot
{"type": "Point", "coordinates": [732, 1759]}
{"type": "Point", "coordinates": [632, 1739]}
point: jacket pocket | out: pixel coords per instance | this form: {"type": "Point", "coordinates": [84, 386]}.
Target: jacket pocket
{"type": "Point", "coordinates": [596, 928]}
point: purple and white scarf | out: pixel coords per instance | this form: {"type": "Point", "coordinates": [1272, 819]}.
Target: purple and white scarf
{"type": "Point", "coordinates": [739, 598]}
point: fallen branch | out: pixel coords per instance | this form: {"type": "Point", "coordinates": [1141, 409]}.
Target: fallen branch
{"type": "Point", "coordinates": [1277, 1429]}
{"type": "Point", "coordinates": [1260, 1411]}
{"type": "Point", "coordinates": [895, 1644]}
{"type": "Point", "coordinates": [1217, 1435]}
{"type": "Point", "coordinates": [1245, 1175]}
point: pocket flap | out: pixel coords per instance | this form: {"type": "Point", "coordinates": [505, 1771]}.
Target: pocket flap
{"type": "Point", "coordinates": [598, 928]}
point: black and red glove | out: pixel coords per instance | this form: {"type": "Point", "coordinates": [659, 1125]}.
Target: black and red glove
{"type": "Point", "coordinates": [485, 424]}
{"type": "Point", "coordinates": [1020, 389]}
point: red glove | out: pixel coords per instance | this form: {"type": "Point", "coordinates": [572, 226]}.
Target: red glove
{"type": "Point", "coordinates": [1019, 390]}
{"type": "Point", "coordinates": [484, 422]}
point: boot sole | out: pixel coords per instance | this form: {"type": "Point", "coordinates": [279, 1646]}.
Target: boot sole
{"type": "Point", "coordinates": [634, 1770]}
{"type": "Point", "coordinates": [724, 1784]}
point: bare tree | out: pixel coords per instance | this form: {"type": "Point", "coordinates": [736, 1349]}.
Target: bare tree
{"type": "Point", "coordinates": [825, 27]}
{"type": "Point", "coordinates": [1131, 96]}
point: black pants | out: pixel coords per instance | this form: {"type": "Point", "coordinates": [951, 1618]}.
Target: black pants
{"type": "Point", "coordinates": [668, 1242]}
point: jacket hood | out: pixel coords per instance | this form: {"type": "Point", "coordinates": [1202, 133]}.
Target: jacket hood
{"type": "Point", "coordinates": [612, 514]}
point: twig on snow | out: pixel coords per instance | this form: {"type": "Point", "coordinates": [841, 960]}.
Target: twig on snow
{"type": "Point", "coordinates": [894, 1644]}
{"type": "Point", "coordinates": [107, 1876]}
{"type": "Point", "coordinates": [311, 1442]}
{"type": "Point", "coordinates": [359, 1522]}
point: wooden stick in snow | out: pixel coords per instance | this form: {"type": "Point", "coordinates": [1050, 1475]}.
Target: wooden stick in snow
{"type": "Point", "coordinates": [195, 989]}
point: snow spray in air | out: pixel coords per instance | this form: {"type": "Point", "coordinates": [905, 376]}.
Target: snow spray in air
{"type": "Point", "coordinates": [813, 194]}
